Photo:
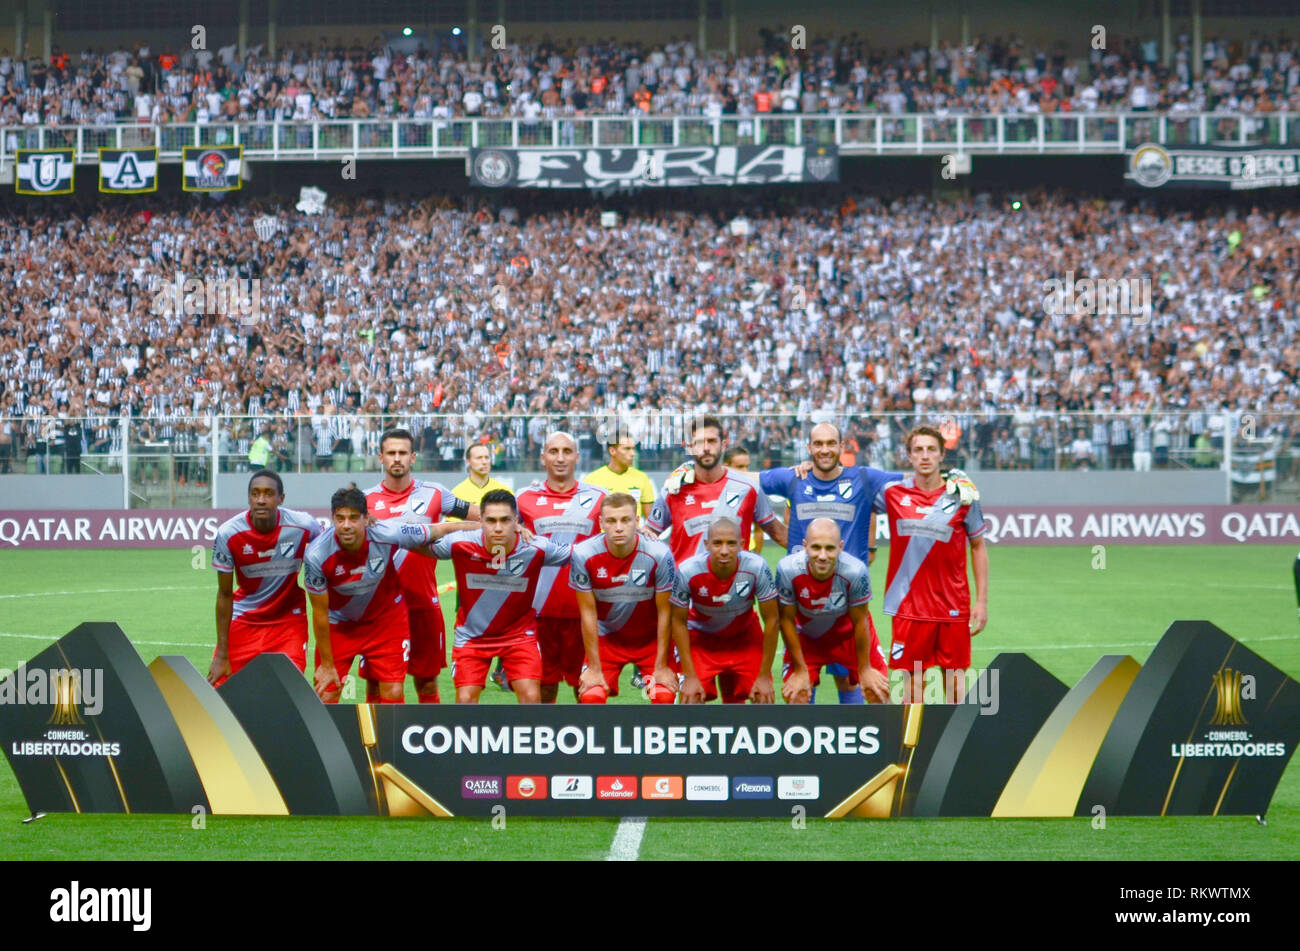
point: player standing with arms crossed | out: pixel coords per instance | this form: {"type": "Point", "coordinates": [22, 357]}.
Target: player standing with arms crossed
{"type": "Point", "coordinates": [415, 501]}
{"type": "Point", "coordinates": [497, 576]}
{"type": "Point", "coordinates": [262, 549]}
{"type": "Point", "coordinates": [926, 589]}
{"type": "Point", "coordinates": [566, 511]}
{"type": "Point", "coordinates": [824, 593]}
{"type": "Point", "coordinates": [356, 596]}
{"type": "Point", "coordinates": [622, 583]}
{"type": "Point", "coordinates": [717, 635]}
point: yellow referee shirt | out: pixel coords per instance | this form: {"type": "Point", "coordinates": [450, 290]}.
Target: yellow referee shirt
{"type": "Point", "coordinates": [467, 491]}
{"type": "Point", "coordinates": [634, 482]}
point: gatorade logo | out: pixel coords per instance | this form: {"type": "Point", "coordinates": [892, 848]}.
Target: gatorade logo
{"type": "Point", "coordinates": [661, 787]}
{"type": "Point", "coordinates": [616, 787]}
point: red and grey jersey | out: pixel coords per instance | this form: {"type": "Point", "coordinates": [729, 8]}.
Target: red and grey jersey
{"type": "Point", "coordinates": [928, 532]}
{"type": "Point", "coordinates": [361, 584]}
{"type": "Point", "coordinates": [495, 592]}
{"type": "Point", "coordinates": [822, 607]}
{"type": "Point", "coordinates": [422, 503]}
{"type": "Point", "coordinates": [689, 511]}
{"type": "Point", "coordinates": [720, 607]}
{"type": "Point", "coordinates": [265, 563]}
{"type": "Point", "coordinates": [624, 588]}
{"type": "Point", "coordinates": [566, 518]}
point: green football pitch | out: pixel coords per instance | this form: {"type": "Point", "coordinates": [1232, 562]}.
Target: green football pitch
{"type": "Point", "coordinates": [1056, 604]}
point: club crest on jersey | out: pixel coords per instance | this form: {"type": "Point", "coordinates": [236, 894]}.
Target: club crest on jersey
{"type": "Point", "coordinates": [375, 564]}
{"type": "Point", "coordinates": [286, 550]}
{"type": "Point", "coordinates": [948, 505]}
{"type": "Point", "coordinates": [637, 576]}
{"type": "Point", "coordinates": [896, 650]}
{"type": "Point", "coordinates": [836, 600]}
{"type": "Point", "coordinates": [743, 588]}
{"type": "Point", "coordinates": [733, 500]}
{"type": "Point", "coordinates": [846, 490]}
{"type": "Point", "coordinates": [418, 506]}
{"type": "Point", "coordinates": [586, 501]}
{"type": "Point", "coordinates": [514, 566]}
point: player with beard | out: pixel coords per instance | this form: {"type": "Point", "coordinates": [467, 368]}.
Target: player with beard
{"type": "Point", "coordinates": [415, 501]}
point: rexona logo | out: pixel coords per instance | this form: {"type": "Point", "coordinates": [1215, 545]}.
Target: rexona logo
{"type": "Point", "coordinates": [752, 787]}
{"type": "Point", "coordinates": [661, 787]}
{"type": "Point", "coordinates": [798, 787]}
{"type": "Point", "coordinates": [526, 787]}
{"type": "Point", "coordinates": [615, 787]}
{"type": "Point", "coordinates": [570, 787]}
{"type": "Point", "coordinates": [480, 787]}
{"type": "Point", "coordinates": [706, 788]}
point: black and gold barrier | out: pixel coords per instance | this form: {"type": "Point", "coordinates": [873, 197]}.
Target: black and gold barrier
{"type": "Point", "coordinates": [1205, 727]}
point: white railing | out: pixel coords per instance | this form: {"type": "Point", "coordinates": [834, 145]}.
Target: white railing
{"type": "Point", "coordinates": [854, 133]}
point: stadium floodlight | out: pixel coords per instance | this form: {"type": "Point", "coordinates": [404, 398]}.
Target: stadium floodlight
{"type": "Point", "coordinates": [407, 31]}
{"type": "Point", "coordinates": [455, 31]}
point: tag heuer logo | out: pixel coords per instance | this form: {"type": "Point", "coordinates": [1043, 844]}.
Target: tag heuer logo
{"type": "Point", "coordinates": [494, 168]}
{"type": "Point", "coordinates": [846, 490]}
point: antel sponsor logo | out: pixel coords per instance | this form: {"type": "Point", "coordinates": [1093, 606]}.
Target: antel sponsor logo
{"type": "Point", "coordinates": [661, 787]}
{"type": "Point", "coordinates": [480, 787]}
{"type": "Point", "coordinates": [798, 787]}
{"type": "Point", "coordinates": [570, 787]}
{"type": "Point", "coordinates": [707, 788]}
{"type": "Point", "coordinates": [526, 787]}
{"type": "Point", "coordinates": [615, 787]}
{"type": "Point", "coordinates": [752, 787]}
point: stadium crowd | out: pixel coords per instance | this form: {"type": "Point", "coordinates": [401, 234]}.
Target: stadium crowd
{"type": "Point", "coordinates": [839, 302]}
{"type": "Point", "coordinates": [548, 80]}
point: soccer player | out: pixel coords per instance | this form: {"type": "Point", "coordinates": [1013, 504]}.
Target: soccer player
{"type": "Point", "coordinates": [926, 589]}
{"type": "Point", "coordinates": [356, 597]}
{"type": "Point", "coordinates": [400, 496]}
{"type": "Point", "coordinates": [479, 481]}
{"type": "Point", "coordinates": [566, 511]}
{"type": "Point", "coordinates": [619, 475]}
{"type": "Point", "coordinates": [824, 593]}
{"type": "Point", "coordinates": [696, 495]}
{"type": "Point", "coordinates": [717, 635]}
{"type": "Point", "coordinates": [497, 575]}
{"type": "Point", "coordinates": [622, 583]}
{"type": "Point", "coordinates": [1297, 581]}
{"type": "Point", "coordinates": [261, 549]}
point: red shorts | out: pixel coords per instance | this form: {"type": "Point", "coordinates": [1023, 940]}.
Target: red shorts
{"type": "Point", "coordinates": [819, 651]}
{"type": "Point", "coordinates": [560, 639]}
{"type": "Point", "coordinates": [733, 661]}
{"type": "Point", "coordinates": [615, 656]}
{"type": "Point", "coordinates": [383, 644]}
{"type": "Point", "coordinates": [520, 655]}
{"type": "Point", "coordinates": [943, 644]}
{"type": "Point", "coordinates": [248, 639]}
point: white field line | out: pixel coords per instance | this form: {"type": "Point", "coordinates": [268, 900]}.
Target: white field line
{"type": "Point", "coordinates": [627, 840]}
{"type": "Point", "coordinates": [55, 637]}
{"type": "Point", "coordinates": [52, 594]}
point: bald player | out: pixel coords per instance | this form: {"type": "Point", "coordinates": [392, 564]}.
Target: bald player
{"type": "Point", "coordinates": [713, 625]}
{"type": "Point", "coordinates": [566, 511]}
{"type": "Point", "coordinates": [824, 592]}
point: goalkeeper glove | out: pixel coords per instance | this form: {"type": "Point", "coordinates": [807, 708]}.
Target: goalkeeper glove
{"type": "Point", "coordinates": [959, 483]}
{"type": "Point", "coordinates": [682, 475]}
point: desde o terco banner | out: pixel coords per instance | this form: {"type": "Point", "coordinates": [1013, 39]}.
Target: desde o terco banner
{"type": "Point", "coordinates": [1233, 168]}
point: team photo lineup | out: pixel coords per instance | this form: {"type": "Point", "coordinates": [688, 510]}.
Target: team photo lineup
{"type": "Point", "coordinates": [671, 430]}
{"type": "Point", "coordinates": [569, 582]}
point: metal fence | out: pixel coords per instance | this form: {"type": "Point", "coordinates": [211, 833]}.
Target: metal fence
{"type": "Point", "coordinates": [169, 462]}
{"type": "Point", "coordinates": [854, 133]}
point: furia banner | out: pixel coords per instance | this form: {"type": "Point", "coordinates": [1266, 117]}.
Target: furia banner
{"type": "Point", "coordinates": [654, 167]}
{"type": "Point", "coordinates": [1205, 727]}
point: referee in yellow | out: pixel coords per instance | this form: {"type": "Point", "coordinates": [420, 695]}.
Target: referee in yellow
{"type": "Point", "coordinates": [479, 482]}
{"type": "Point", "coordinates": [619, 475]}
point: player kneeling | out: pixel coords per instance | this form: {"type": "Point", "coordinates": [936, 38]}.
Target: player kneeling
{"type": "Point", "coordinates": [824, 592]}
{"type": "Point", "coordinates": [356, 597]}
{"type": "Point", "coordinates": [622, 582]}
{"type": "Point", "coordinates": [717, 635]}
